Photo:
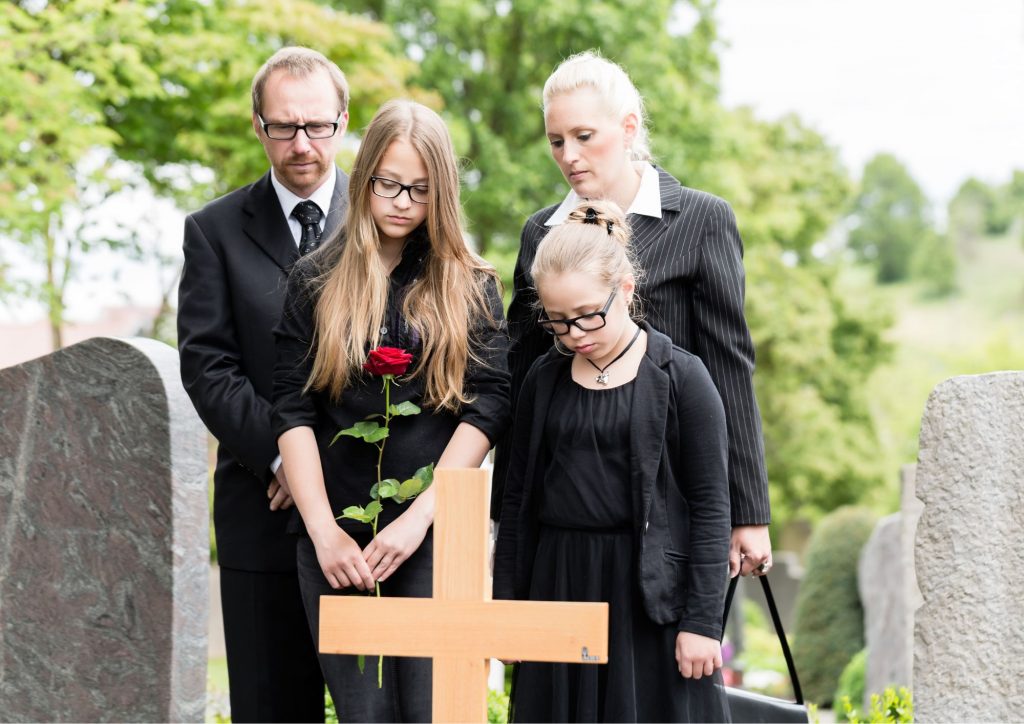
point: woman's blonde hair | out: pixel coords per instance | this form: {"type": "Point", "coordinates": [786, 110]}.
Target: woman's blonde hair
{"type": "Point", "coordinates": [589, 70]}
{"type": "Point", "coordinates": [593, 240]}
{"type": "Point", "coordinates": [441, 303]}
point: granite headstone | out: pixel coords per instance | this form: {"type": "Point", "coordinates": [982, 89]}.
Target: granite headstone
{"type": "Point", "coordinates": [104, 543]}
{"type": "Point", "coordinates": [968, 639]}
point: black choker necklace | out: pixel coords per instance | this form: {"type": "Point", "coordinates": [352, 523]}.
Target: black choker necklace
{"type": "Point", "coordinates": [602, 378]}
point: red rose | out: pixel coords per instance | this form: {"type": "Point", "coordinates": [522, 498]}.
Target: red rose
{"type": "Point", "coordinates": [387, 361]}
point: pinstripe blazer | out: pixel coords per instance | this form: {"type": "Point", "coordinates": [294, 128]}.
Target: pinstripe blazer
{"type": "Point", "coordinates": [693, 291]}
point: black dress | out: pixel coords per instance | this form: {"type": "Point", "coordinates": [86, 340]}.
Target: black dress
{"type": "Point", "coordinates": [585, 552]}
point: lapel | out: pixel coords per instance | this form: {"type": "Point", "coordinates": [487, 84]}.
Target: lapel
{"type": "Point", "coordinates": [339, 203]}
{"type": "Point", "coordinates": [646, 229]}
{"type": "Point", "coordinates": [267, 226]}
{"type": "Point", "coordinates": [649, 416]}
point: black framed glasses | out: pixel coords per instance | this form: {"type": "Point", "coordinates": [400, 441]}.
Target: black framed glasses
{"type": "Point", "coordinates": [287, 131]}
{"type": "Point", "coordinates": [584, 322]}
{"type": "Point", "coordinates": [390, 189]}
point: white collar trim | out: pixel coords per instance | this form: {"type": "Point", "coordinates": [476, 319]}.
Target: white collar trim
{"type": "Point", "coordinates": [647, 201]}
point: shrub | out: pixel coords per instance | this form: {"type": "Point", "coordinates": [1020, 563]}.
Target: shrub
{"type": "Point", "coordinates": [891, 706]}
{"type": "Point", "coordinates": [829, 618]}
{"type": "Point", "coordinates": [851, 681]}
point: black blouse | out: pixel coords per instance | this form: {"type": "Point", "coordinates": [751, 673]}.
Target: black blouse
{"type": "Point", "coordinates": [350, 464]}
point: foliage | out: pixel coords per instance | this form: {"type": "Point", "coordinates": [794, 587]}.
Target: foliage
{"type": "Point", "coordinates": [829, 616]}
{"type": "Point", "coordinates": [935, 265]}
{"type": "Point", "coordinates": [88, 84]}
{"type": "Point", "coordinates": [761, 653]}
{"type": "Point", "coordinates": [892, 217]}
{"type": "Point", "coordinates": [970, 213]}
{"type": "Point", "coordinates": [497, 706]}
{"type": "Point", "coordinates": [488, 59]}
{"type": "Point", "coordinates": [891, 706]}
{"type": "Point", "coordinates": [851, 681]}
{"type": "Point", "coordinates": [816, 347]}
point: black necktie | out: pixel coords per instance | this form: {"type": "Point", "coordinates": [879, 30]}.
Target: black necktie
{"type": "Point", "coordinates": [308, 214]}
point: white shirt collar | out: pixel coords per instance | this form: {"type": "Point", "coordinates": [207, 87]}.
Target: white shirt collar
{"type": "Point", "coordinates": [321, 197]}
{"type": "Point", "coordinates": [647, 201]}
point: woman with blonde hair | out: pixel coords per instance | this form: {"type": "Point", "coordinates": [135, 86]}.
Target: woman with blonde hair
{"type": "Point", "coordinates": [689, 245]}
{"type": "Point", "coordinates": [399, 274]}
{"type": "Point", "coordinates": [617, 492]}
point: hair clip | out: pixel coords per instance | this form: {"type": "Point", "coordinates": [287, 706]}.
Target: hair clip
{"type": "Point", "coordinates": [591, 218]}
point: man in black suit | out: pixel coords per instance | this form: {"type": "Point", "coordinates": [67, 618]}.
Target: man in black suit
{"type": "Point", "coordinates": [238, 252]}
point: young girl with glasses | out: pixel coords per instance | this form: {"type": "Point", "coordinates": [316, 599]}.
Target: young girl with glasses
{"type": "Point", "coordinates": [617, 491]}
{"type": "Point", "coordinates": [399, 274]}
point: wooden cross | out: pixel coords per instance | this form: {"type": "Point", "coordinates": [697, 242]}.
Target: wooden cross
{"type": "Point", "coordinates": [461, 627]}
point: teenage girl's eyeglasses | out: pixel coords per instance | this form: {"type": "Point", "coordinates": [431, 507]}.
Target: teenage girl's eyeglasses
{"type": "Point", "coordinates": [584, 322]}
{"type": "Point", "coordinates": [390, 189]}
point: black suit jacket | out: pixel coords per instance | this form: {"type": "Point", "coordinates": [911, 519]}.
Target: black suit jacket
{"type": "Point", "coordinates": [693, 291]}
{"type": "Point", "coordinates": [238, 252]}
{"type": "Point", "coordinates": [680, 497]}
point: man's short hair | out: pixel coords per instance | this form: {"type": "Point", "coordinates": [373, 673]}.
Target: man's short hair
{"type": "Point", "coordinates": [299, 62]}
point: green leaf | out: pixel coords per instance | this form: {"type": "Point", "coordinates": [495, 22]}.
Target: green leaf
{"type": "Point", "coordinates": [356, 512]}
{"type": "Point", "coordinates": [388, 488]}
{"type": "Point", "coordinates": [373, 509]}
{"type": "Point", "coordinates": [361, 662]}
{"type": "Point", "coordinates": [411, 488]}
{"type": "Point", "coordinates": [404, 409]}
{"type": "Point", "coordinates": [426, 474]}
{"type": "Point", "coordinates": [374, 491]}
{"type": "Point", "coordinates": [377, 435]}
{"type": "Point", "coordinates": [364, 429]}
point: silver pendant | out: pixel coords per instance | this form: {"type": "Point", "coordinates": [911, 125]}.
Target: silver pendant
{"type": "Point", "coordinates": [602, 379]}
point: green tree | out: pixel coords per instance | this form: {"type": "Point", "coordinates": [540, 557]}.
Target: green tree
{"type": "Point", "coordinates": [969, 213]}
{"type": "Point", "coordinates": [88, 84]}
{"type": "Point", "coordinates": [934, 265]}
{"type": "Point", "coordinates": [489, 59]}
{"type": "Point", "coordinates": [891, 217]}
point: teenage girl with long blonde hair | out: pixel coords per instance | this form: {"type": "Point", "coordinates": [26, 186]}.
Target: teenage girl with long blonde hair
{"type": "Point", "coordinates": [399, 274]}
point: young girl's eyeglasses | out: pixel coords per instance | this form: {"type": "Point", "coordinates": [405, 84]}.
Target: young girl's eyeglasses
{"type": "Point", "coordinates": [390, 189]}
{"type": "Point", "coordinates": [584, 322]}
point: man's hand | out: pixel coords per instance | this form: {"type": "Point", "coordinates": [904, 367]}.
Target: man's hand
{"type": "Point", "coordinates": [750, 551]}
{"type": "Point", "coordinates": [279, 493]}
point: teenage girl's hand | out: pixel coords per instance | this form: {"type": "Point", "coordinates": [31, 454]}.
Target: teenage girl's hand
{"type": "Point", "coordinates": [395, 543]}
{"type": "Point", "coordinates": [697, 655]}
{"type": "Point", "coordinates": [340, 559]}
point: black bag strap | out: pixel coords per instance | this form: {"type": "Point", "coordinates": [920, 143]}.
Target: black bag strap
{"type": "Point", "coordinates": [777, 620]}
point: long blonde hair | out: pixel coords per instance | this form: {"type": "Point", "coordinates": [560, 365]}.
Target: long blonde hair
{"type": "Point", "coordinates": [441, 304]}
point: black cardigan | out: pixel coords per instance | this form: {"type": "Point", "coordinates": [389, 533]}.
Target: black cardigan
{"type": "Point", "coordinates": [349, 466]}
{"type": "Point", "coordinates": [680, 492]}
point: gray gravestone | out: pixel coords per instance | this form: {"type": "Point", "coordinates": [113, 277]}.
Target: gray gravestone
{"type": "Point", "coordinates": [880, 577]}
{"type": "Point", "coordinates": [968, 639]}
{"type": "Point", "coordinates": [104, 542]}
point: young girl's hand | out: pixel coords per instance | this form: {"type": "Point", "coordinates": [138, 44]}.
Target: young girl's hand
{"type": "Point", "coordinates": [341, 560]}
{"type": "Point", "coordinates": [394, 544]}
{"type": "Point", "coordinates": [697, 655]}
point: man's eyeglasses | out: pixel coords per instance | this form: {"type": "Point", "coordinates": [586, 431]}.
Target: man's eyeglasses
{"type": "Point", "coordinates": [390, 189]}
{"type": "Point", "coordinates": [287, 131]}
{"type": "Point", "coordinates": [585, 322]}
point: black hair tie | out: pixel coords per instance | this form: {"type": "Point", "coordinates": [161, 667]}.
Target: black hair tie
{"type": "Point", "coordinates": [591, 218]}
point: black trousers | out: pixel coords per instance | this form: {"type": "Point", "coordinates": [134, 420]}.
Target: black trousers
{"type": "Point", "coordinates": [272, 665]}
{"type": "Point", "coordinates": [406, 694]}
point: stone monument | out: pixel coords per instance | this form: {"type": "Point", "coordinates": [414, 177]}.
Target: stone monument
{"type": "Point", "coordinates": [968, 639]}
{"type": "Point", "coordinates": [104, 543]}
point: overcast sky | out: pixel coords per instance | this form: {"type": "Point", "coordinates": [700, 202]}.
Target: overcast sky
{"type": "Point", "coordinates": [939, 83]}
